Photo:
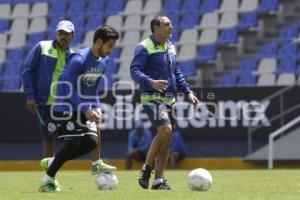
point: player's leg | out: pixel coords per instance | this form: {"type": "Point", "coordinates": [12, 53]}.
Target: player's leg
{"type": "Point", "coordinates": [98, 165]}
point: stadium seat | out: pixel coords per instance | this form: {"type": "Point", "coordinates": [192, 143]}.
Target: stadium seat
{"type": "Point", "coordinates": [171, 6]}
{"type": "Point", "coordinates": [16, 40]}
{"type": "Point", "coordinates": [191, 6]}
{"type": "Point", "coordinates": [5, 11]}
{"type": "Point", "coordinates": [209, 6]}
{"type": "Point", "coordinates": [113, 7]}
{"type": "Point", "coordinates": [209, 20]}
{"type": "Point", "coordinates": [127, 53]}
{"type": "Point", "coordinates": [57, 7]}
{"type": "Point", "coordinates": [115, 21]}
{"type": "Point", "coordinates": [76, 8]}
{"type": "Point", "coordinates": [208, 36]}
{"type": "Point", "coordinates": [227, 80]}
{"type": "Point", "coordinates": [131, 37]}
{"type": "Point", "coordinates": [15, 56]}
{"type": "Point", "coordinates": [267, 6]}
{"type": "Point", "coordinates": [228, 20]}
{"type": "Point", "coordinates": [38, 25]}
{"type": "Point", "coordinates": [228, 36]}
{"type": "Point", "coordinates": [111, 67]}
{"type": "Point", "coordinates": [288, 50]}
{"type": "Point", "coordinates": [133, 7]}
{"type": "Point", "coordinates": [77, 39]}
{"type": "Point", "coordinates": [287, 65]}
{"type": "Point", "coordinates": [248, 20]}
{"type": "Point", "coordinates": [248, 6]}
{"type": "Point", "coordinates": [207, 53]}
{"type": "Point", "coordinates": [12, 69]}
{"type": "Point", "coordinates": [187, 52]}
{"type": "Point", "coordinates": [151, 7]}
{"type": "Point", "coordinates": [247, 80]}
{"type": "Point", "coordinates": [95, 7]}
{"type": "Point", "coordinates": [229, 6]}
{"type": "Point", "coordinates": [54, 21]}
{"type": "Point", "coordinates": [93, 22]}
{"type": "Point", "coordinates": [3, 40]}
{"type": "Point", "coordinates": [19, 25]}
{"type": "Point", "coordinates": [267, 65]}
{"type": "Point", "coordinates": [188, 36]}
{"type": "Point", "coordinates": [88, 39]}
{"type": "Point", "coordinates": [266, 80]}
{"type": "Point", "coordinates": [247, 65]}
{"type": "Point", "coordinates": [286, 79]}
{"type": "Point", "coordinates": [39, 10]}
{"type": "Point", "coordinates": [78, 22]}
{"type": "Point", "coordinates": [132, 22]}
{"type": "Point", "coordinates": [4, 25]}
{"type": "Point", "coordinates": [20, 10]}
{"type": "Point", "coordinates": [188, 68]}
{"type": "Point", "coordinates": [174, 18]}
{"type": "Point", "coordinates": [11, 83]}
{"type": "Point", "coordinates": [106, 82]}
{"type": "Point", "coordinates": [189, 20]}
{"type": "Point", "coordinates": [146, 22]}
{"type": "Point", "coordinates": [268, 50]}
{"type": "Point", "coordinates": [288, 33]}
{"type": "Point", "coordinates": [2, 56]}
{"type": "Point", "coordinates": [33, 39]}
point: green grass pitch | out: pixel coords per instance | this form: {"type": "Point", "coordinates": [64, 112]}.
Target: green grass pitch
{"type": "Point", "coordinates": [227, 185]}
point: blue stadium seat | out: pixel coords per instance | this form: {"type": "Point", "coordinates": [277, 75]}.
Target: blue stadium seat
{"type": "Point", "coordinates": [248, 20]}
{"type": "Point", "coordinates": [4, 25]}
{"type": "Point", "coordinates": [78, 22]}
{"type": "Point", "coordinates": [267, 6]}
{"type": "Point", "coordinates": [12, 69]}
{"type": "Point", "coordinates": [76, 8]}
{"type": "Point", "coordinates": [174, 17]}
{"type": "Point", "coordinates": [115, 53]}
{"type": "Point", "coordinates": [12, 83]}
{"type": "Point", "coordinates": [175, 34]}
{"type": "Point", "coordinates": [268, 50]}
{"type": "Point", "coordinates": [188, 68]}
{"type": "Point", "coordinates": [287, 50]}
{"type": "Point", "coordinates": [287, 65]}
{"type": "Point", "coordinates": [288, 33]}
{"type": "Point", "coordinates": [171, 5]}
{"type": "Point", "coordinates": [33, 39]}
{"type": "Point", "coordinates": [189, 20]}
{"type": "Point", "coordinates": [247, 65]}
{"type": "Point", "coordinates": [77, 39]}
{"type": "Point", "coordinates": [20, 1]}
{"type": "Point", "coordinates": [227, 80]}
{"type": "Point", "coordinates": [209, 6]}
{"type": "Point", "coordinates": [95, 7]}
{"type": "Point", "coordinates": [207, 53]}
{"type": "Point", "coordinates": [57, 7]}
{"type": "Point", "coordinates": [247, 80]}
{"type": "Point", "coordinates": [228, 36]}
{"type": "Point", "coordinates": [93, 22]}
{"type": "Point", "coordinates": [112, 67]}
{"type": "Point", "coordinates": [113, 7]}
{"type": "Point", "coordinates": [15, 56]}
{"type": "Point", "coordinates": [191, 6]}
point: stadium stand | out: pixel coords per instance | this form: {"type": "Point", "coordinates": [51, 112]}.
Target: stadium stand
{"type": "Point", "coordinates": [214, 33]}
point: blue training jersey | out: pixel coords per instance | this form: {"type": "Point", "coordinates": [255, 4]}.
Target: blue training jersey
{"type": "Point", "coordinates": [79, 82]}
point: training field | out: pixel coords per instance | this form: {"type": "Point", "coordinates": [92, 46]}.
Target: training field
{"type": "Point", "coordinates": [227, 185]}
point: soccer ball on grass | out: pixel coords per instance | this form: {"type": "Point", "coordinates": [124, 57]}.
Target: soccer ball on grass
{"type": "Point", "coordinates": [199, 179]}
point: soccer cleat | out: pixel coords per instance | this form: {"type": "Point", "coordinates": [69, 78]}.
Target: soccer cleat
{"type": "Point", "coordinates": [44, 164]}
{"type": "Point", "coordinates": [145, 175]}
{"type": "Point", "coordinates": [161, 186]}
{"type": "Point", "coordinates": [101, 167]}
{"type": "Point", "coordinates": [51, 186]}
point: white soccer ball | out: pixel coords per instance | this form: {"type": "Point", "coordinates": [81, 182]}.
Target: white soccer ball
{"type": "Point", "coordinates": [199, 179]}
{"type": "Point", "coordinates": [106, 181]}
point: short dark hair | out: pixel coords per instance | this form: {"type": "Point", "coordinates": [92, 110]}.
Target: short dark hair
{"type": "Point", "coordinates": [156, 21]}
{"type": "Point", "coordinates": [106, 33]}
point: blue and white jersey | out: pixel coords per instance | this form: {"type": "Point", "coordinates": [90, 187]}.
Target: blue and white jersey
{"type": "Point", "coordinates": [79, 82]}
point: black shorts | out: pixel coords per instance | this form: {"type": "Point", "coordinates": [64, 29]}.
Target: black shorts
{"type": "Point", "coordinates": [71, 125]}
{"type": "Point", "coordinates": [43, 115]}
{"type": "Point", "coordinates": [160, 113]}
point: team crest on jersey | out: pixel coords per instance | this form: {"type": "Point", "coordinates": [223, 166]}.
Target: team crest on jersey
{"type": "Point", "coordinates": [51, 127]}
{"type": "Point", "coordinates": [91, 76]}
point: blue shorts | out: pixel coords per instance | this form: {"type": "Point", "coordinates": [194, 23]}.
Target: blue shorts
{"type": "Point", "coordinates": [43, 115]}
{"type": "Point", "coordinates": [160, 113]}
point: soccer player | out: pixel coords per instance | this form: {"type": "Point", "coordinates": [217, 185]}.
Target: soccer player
{"type": "Point", "coordinates": [77, 107]}
{"type": "Point", "coordinates": [139, 140]}
{"type": "Point", "coordinates": [42, 68]}
{"type": "Point", "coordinates": [154, 68]}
